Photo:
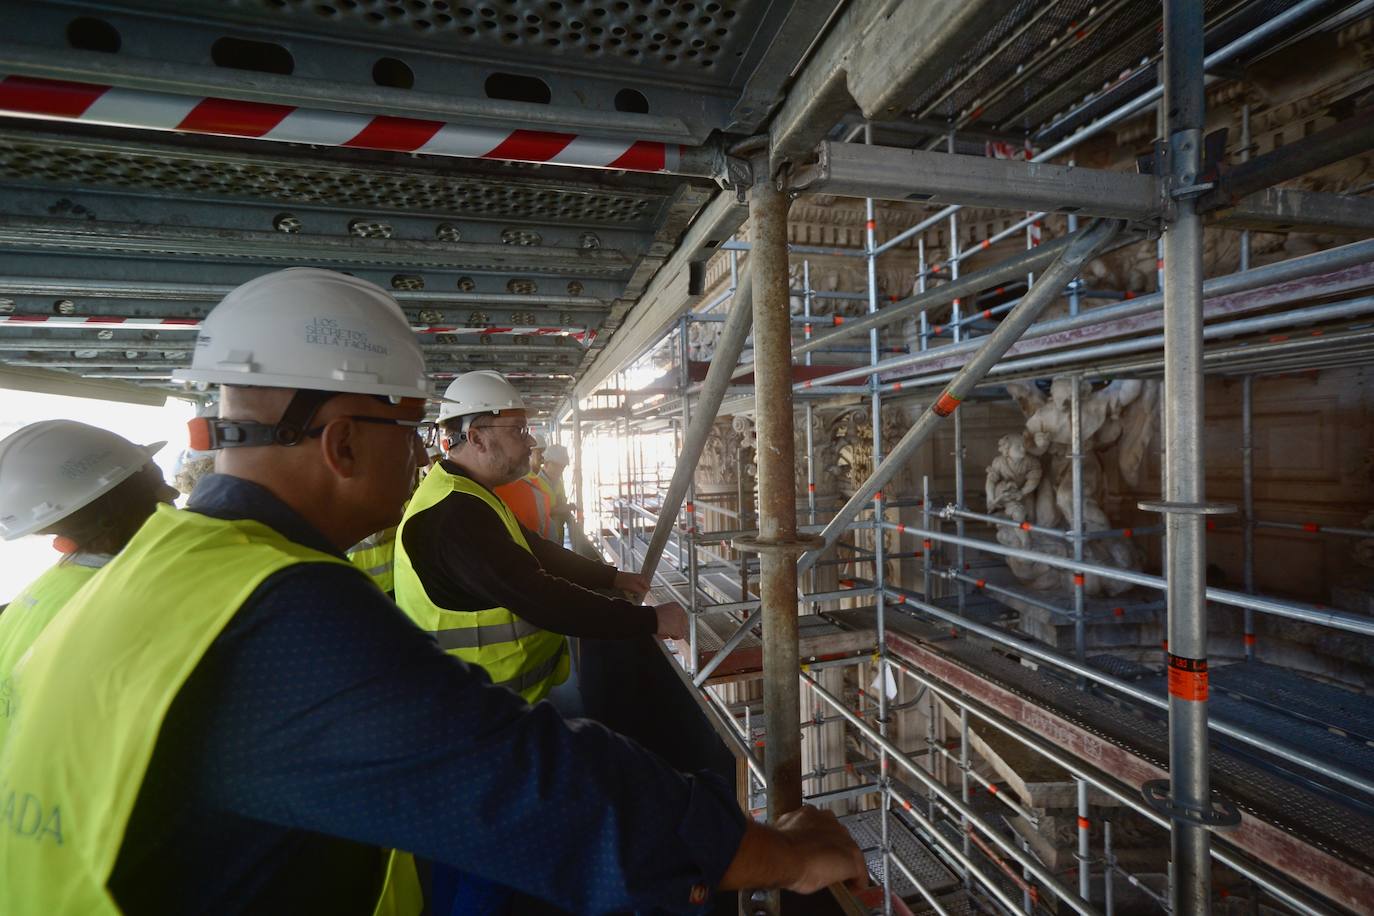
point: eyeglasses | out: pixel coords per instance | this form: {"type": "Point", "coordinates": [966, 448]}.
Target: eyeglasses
{"type": "Point", "coordinates": [427, 430]}
{"type": "Point", "coordinates": [521, 430]}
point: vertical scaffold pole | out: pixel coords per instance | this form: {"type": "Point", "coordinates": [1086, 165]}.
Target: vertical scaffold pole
{"type": "Point", "coordinates": [1245, 157]}
{"type": "Point", "coordinates": [957, 326]}
{"type": "Point", "coordinates": [1080, 620]}
{"type": "Point", "coordinates": [578, 464]}
{"type": "Point", "coordinates": [1247, 457]}
{"type": "Point", "coordinates": [777, 520]}
{"type": "Point", "coordinates": [879, 537]}
{"type": "Point", "coordinates": [1085, 875]}
{"type": "Point", "coordinates": [688, 535]}
{"type": "Point", "coordinates": [1185, 545]}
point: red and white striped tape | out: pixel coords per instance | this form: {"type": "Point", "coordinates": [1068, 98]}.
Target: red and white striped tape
{"type": "Point", "coordinates": [62, 100]}
{"type": "Point", "coordinates": [193, 324]}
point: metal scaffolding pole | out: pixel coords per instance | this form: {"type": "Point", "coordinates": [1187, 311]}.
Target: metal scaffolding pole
{"type": "Point", "coordinates": [1247, 457]}
{"type": "Point", "coordinates": [729, 346]}
{"type": "Point", "coordinates": [1184, 490]}
{"type": "Point", "coordinates": [998, 342]}
{"type": "Point", "coordinates": [1080, 622]}
{"type": "Point", "coordinates": [879, 539]}
{"type": "Point", "coordinates": [777, 539]}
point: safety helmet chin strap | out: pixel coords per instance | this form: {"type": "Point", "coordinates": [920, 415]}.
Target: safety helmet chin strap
{"type": "Point", "coordinates": [209, 433]}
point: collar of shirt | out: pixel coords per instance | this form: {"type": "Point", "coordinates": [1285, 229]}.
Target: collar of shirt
{"type": "Point", "coordinates": [233, 498]}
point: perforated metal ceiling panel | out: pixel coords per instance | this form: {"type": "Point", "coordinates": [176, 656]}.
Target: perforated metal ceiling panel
{"type": "Point", "coordinates": [102, 226]}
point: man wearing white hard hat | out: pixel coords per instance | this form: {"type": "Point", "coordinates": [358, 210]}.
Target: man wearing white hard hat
{"type": "Point", "coordinates": [232, 718]}
{"type": "Point", "coordinates": [91, 489]}
{"type": "Point", "coordinates": [492, 591]}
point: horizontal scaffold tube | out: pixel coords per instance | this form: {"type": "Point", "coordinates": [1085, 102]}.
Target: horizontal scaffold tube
{"type": "Point", "coordinates": [1084, 246]}
{"type": "Point", "coordinates": [1283, 272]}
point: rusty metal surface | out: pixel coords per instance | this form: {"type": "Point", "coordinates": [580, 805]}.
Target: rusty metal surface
{"type": "Point", "coordinates": [777, 520]}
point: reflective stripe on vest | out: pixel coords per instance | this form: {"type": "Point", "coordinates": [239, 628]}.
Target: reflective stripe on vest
{"type": "Point", "coordinates": [514, 653]}
{"type": "Point", "coordinates": [29, 614]}
{"type": "Point", "coordinates": [79, 747]}
{"type": "Point", "coordinates": [377, 558]}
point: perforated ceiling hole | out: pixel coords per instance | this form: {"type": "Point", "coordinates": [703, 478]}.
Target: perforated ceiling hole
{"type": "Point", "coordinates": [575, 288]}
{"type": "Point", "coordinates": [466, 284]}
{"type": "Point", "coordinates": [589, 240]}
{"type": "Point", "coordinates": [393, 73]}
{"type": "Point", "coordinates": [6, 306]}
{"type": "Point", "coordinates": [513, 87]}
{"type": "Point", "coordinates": [259, 56]}
{"type": "Point", "coordinates": [408, 282]}
{"type": "Point", "coordinates": [430, 316]}
{"type": "Point", "coordinates": [447, 232]}
{"type": "Point", "coordinates": [369, 229]}
{"type": "Point", "coordinates": [105, 334]}
{"type": "Point", "coordinates": [478, 319]}
{"type": "Point", "coordinates": [526, 237]}
{"type": "Point", "coordinates": [521, 287]}
{"type": "Point", "coordinates": [86, 33]}
{"type": "Point", "coordinates": [64, 307]}
{"type": "Point", "coordinates": [286, 222]}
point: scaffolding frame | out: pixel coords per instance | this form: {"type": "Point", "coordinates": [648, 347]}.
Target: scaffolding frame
{"type": "Point", "coordinates": [1189, 814]}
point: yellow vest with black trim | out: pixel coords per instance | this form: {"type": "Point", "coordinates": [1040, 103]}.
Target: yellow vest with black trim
{"type": "Point", "coordinates": [515, 653]}
{"type": "Point", "coordinates": [94, 691]}
{"type": "Point", "coordinates": [376, 556]}
{"type": "Point", "coordinates": [30, 613]}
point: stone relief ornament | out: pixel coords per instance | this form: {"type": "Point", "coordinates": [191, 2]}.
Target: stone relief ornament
{"type": "Point", "coordinates": [1118, 424]}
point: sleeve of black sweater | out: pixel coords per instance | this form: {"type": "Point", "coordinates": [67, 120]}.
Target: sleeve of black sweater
{"type": "Point", "coordinates": [559, 561]}
{"type": "Point", "coordinates": [462, 552]}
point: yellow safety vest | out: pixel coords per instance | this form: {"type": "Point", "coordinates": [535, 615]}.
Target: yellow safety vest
{"type": "Point", "coordinates": [92, 696]}
{"type": "Point", "coordinates": [515, 653]}
{"type": "Point", "coordinates": [376, 556]}
{"type": "Point", "coordinates": [31, 611]}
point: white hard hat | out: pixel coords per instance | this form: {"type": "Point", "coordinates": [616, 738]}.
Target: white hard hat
{"type": "Point", "coordinates": [556, 454]}
{"type": "Point", "coordinates": [50, 469]}
{"type": "Point", "coordinates": [483, 391]}
{"type": "Point", "coordinates": [308, 328]}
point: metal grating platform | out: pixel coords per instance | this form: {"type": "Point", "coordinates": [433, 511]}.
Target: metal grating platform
{"type": "Point", "coordinates": [1297, 695]}
{"type": "Point", "coordinates": [1316, 817]}
{"type": "Point", "coordinates": [866, 828]}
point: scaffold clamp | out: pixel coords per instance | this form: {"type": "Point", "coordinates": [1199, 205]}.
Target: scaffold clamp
{"type": "Point", "coordinates": [1221, 815]}
{"type": "Point", "coordinates": [1167, 507]}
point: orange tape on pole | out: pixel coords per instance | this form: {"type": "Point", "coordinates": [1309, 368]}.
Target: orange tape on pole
{"type": "Point", "coordinates": [1084, 824]}
{"type": "Point", "coordinates": [1188, 678]}
{"type": "Point", "coordinates": [946, 405]}
{"type": "Point", "coordinates": [1078, 580]}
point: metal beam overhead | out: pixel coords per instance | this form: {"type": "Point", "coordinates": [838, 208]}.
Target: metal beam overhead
{"type": "Point", "coordinates": [1287, 210]}
{"type": "Point", "coordinates": [887, 173]}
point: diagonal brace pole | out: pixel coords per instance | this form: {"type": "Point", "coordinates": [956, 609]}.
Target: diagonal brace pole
{"type": "Point", "coordinates": [1048, 287]}
{"type": "Point", "coordinates": [728, 350]}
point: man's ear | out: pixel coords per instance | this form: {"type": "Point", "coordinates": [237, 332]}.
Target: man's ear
{"type": "Point", "coordinates": [337, 445]}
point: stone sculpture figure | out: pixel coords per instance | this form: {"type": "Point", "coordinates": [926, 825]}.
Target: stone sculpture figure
{"type": "Point", "coordinates": [1121, 414]}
